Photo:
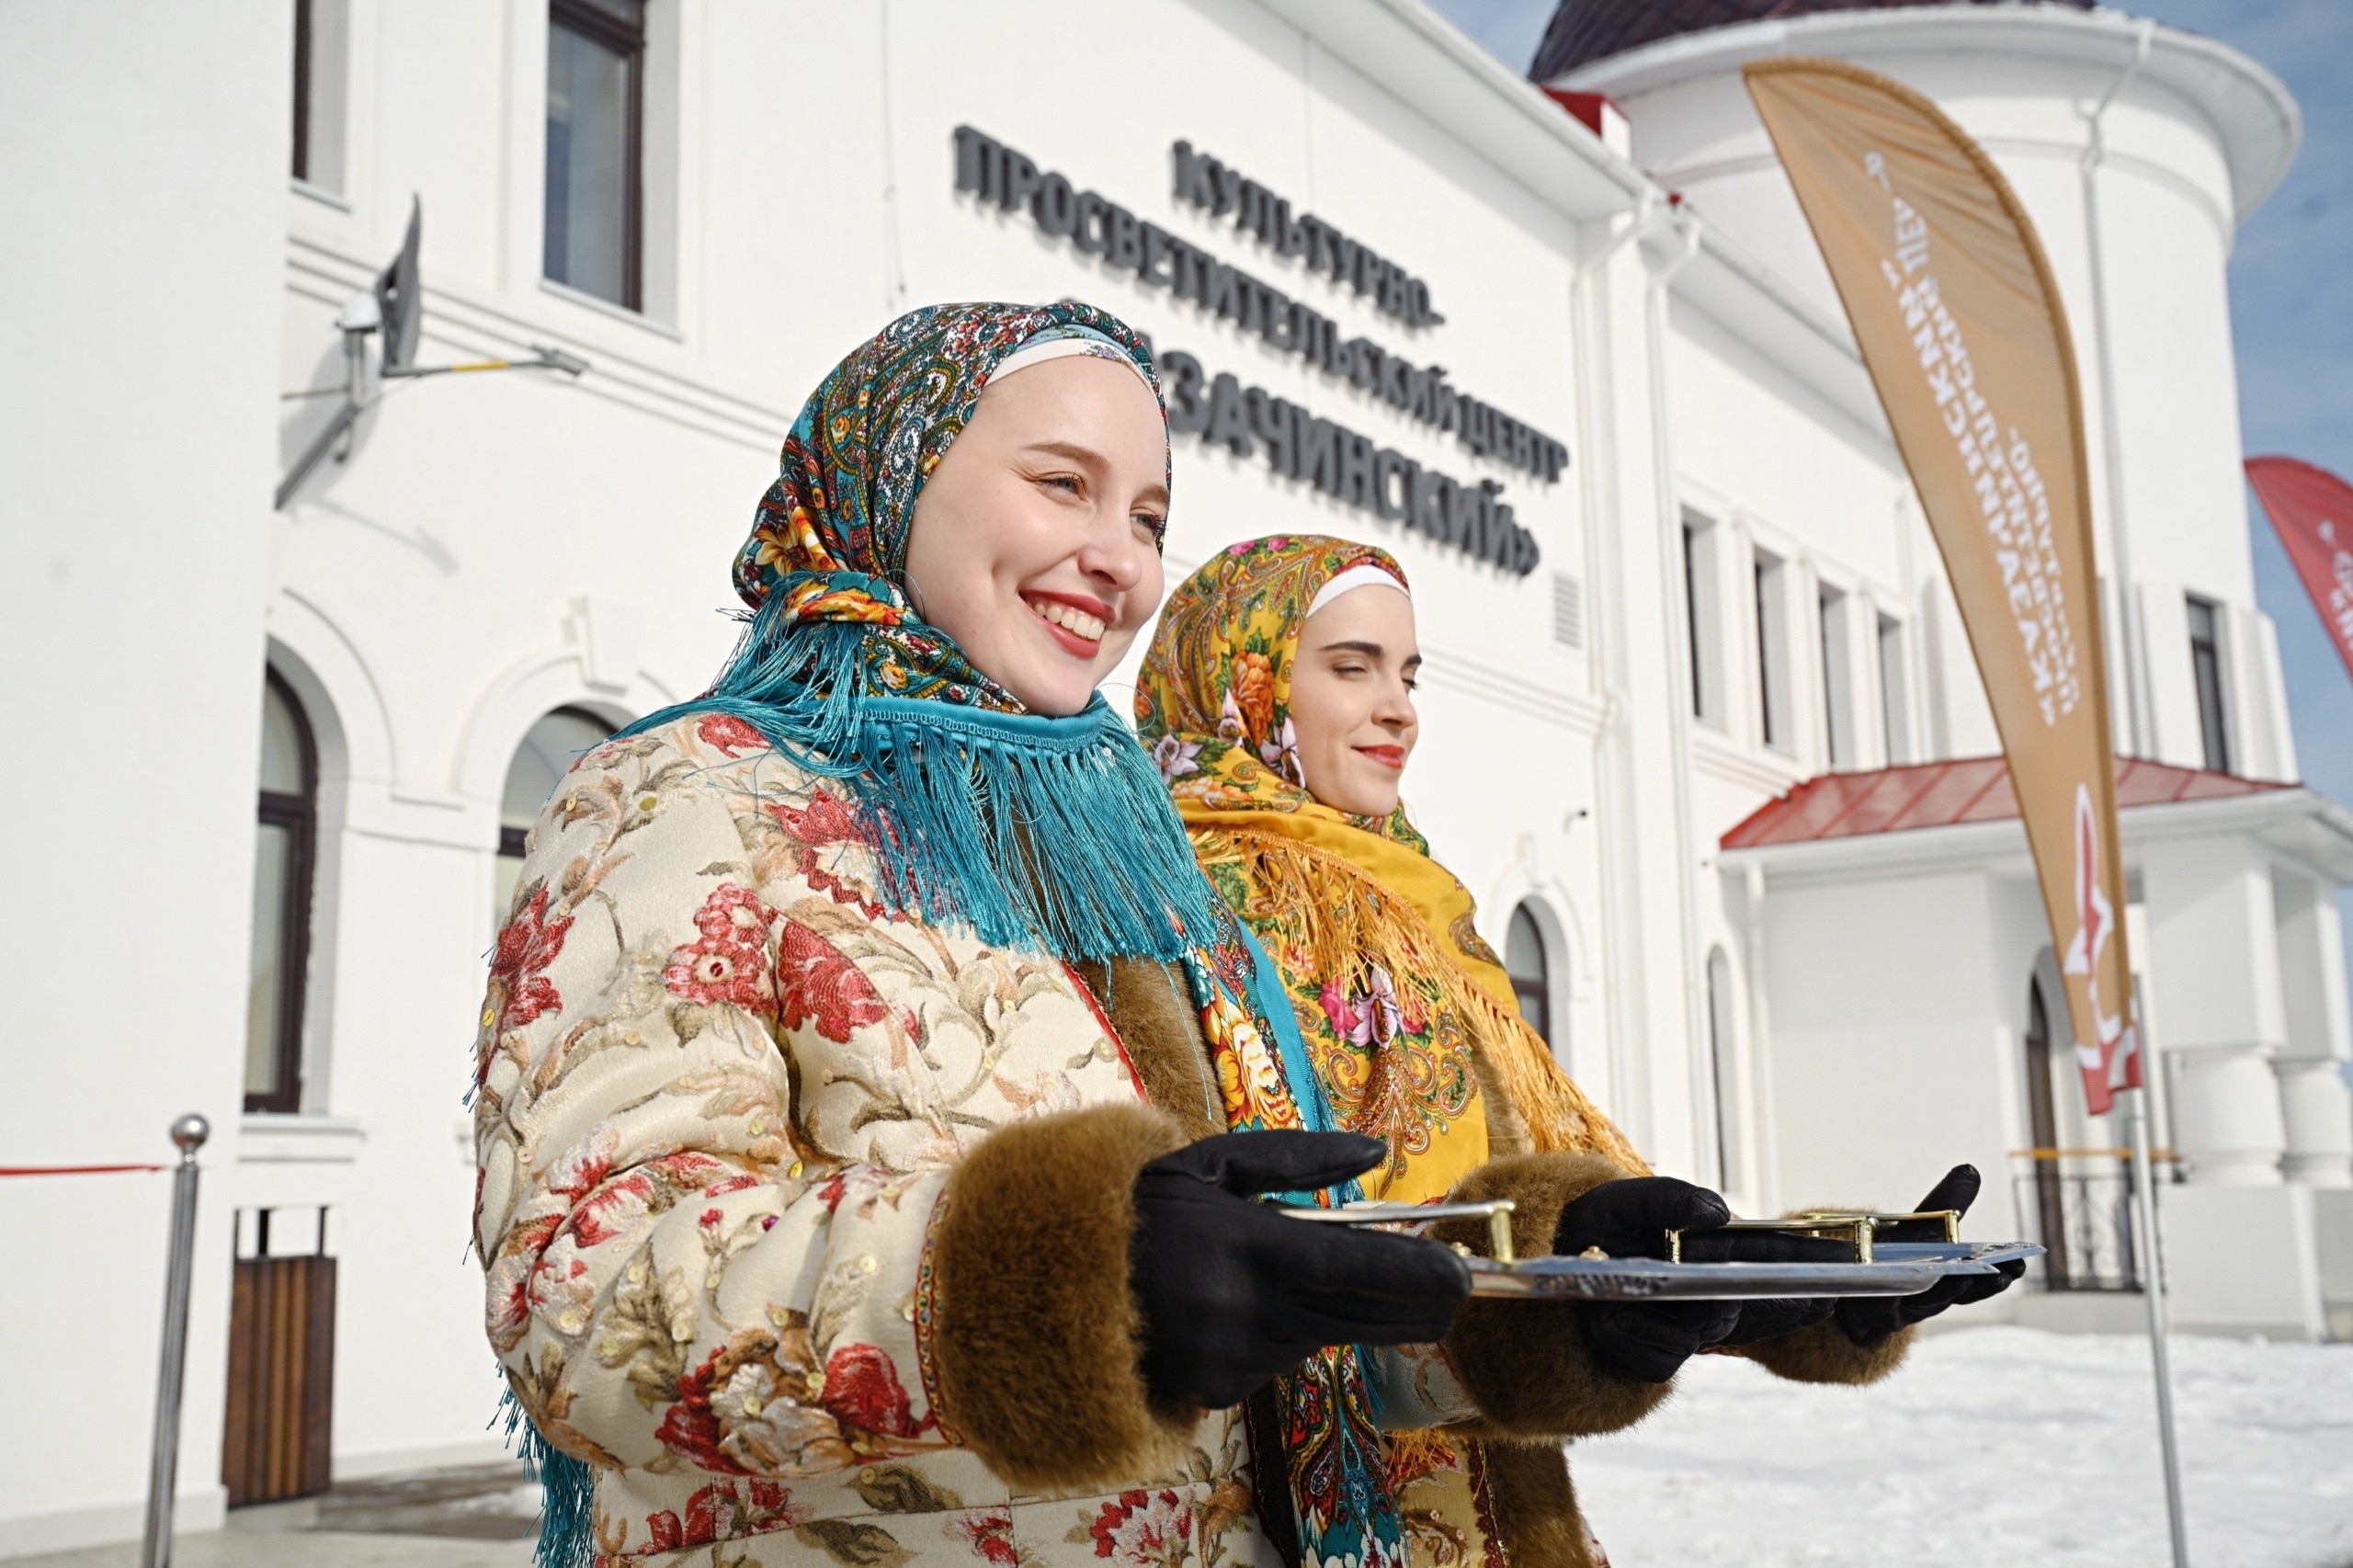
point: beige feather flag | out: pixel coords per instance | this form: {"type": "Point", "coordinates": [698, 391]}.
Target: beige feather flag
{"type": "Point", "coordinates": [1959, 318]}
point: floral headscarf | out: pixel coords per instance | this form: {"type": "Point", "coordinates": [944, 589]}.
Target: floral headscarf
{"type": "Point", "coordinates": [830, 537]}
{"type": "Point", "coordinates": [1213, 698]}
{"type": "Point", "coordinates": [1399, 997]}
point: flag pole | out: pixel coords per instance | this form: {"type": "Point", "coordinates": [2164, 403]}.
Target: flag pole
{"type": "Point", "coordinates": [2153, 1290]}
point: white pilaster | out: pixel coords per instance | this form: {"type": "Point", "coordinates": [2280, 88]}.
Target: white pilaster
{"type": "Point", "coordinates": [2214, 994]}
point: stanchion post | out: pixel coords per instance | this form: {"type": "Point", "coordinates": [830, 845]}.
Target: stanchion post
{"type": "Point", "coordinates": [163, 1475]}
{"type": "Point", "coordinates": [2153, 1290]}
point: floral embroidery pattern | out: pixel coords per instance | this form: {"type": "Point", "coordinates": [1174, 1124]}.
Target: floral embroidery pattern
{"type": "Point", "coordinates": [991, 1533]}
{"type": "Point", "coordinates": [519, 988]}
{"type": "Point", "coordinates": [728, 736]}
{"type": "Point", "coordinates": [823, 987]}
{"type": "Point", "coordinates": [719, 1094]}
{"type": "Point", "coordinates": [729, 961]}
{"type": "Point", "coordinates": [725, 1509]}
{"type": "Point", "coordinates": [1145, 1529]}
{"type": "Point", "coordinates": [1395, 1063]}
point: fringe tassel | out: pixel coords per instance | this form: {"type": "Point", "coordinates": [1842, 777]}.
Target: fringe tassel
{"type": "Point", "coordinates": [1033, 830]}
{"type": "Point", "coordinates": [1345, 922]}
{"type": "Point", "coordinates": [1026, 831]}
{"type": "Point", "coordinates": [567, 1492]}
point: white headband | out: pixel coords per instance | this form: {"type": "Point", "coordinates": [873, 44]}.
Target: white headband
{"type": "Point", "coordinates": [1038, 350]}
{"type": "Point", "coordinates": [1363, 575]}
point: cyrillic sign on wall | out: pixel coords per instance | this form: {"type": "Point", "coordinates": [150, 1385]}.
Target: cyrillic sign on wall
{"type": "Point", "coordinates": [1298, 445]}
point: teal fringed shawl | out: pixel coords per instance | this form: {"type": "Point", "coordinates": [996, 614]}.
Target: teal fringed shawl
{"type": "Point", "coordinates": [1053, 834]}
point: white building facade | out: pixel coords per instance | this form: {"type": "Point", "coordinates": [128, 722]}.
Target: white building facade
{"type": "Point", "coordinates": [268, 890]}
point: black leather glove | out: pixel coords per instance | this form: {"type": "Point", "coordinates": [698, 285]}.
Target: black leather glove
{"type": "Point", "coordinates": [1871, 1320]}
{"type": "Point", "coordinates": [1630, 1219]}
{"type": "Point", "coordinates": [1233, 1293]}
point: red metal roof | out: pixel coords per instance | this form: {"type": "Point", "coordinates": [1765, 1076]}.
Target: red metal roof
{"type": "Point", "coordinates": [1939, 794]}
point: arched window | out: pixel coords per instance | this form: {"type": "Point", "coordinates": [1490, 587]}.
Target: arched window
{"type": "Point", "coordinates": [285, 851]}
{"type": "Point", "coordinates": [546, 754]}
{"type": "Point", "coordinates": [1731, 1149]}
{"type": "Point", "coordinates": [2043, 1124]}
{"type": "Point", "coordinates": [1531, 972]}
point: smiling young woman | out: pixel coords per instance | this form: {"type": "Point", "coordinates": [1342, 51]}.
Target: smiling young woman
{"type": "Point", "coordinates": [871, 1096]}
{"type": "Point", "coordinates": [1278, 699]}
{"type": "Point", "coordinates": [1036, 543]}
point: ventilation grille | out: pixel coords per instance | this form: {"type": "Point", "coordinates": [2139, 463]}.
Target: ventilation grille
{"type": "Point", "coordinates": [1568, 610]}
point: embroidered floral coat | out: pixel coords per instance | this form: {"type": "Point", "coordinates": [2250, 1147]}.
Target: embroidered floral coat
{"type": "Point", "coordinates": [720, 1096]}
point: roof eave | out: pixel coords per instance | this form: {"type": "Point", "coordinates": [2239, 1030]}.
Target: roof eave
{"type": "Point", "coordinates": [2312, 830]}
{"type": "Point", "coordinates": [1437, 71]}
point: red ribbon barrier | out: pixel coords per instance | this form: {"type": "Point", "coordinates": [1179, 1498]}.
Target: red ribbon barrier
{"type": "Point", "coordinates": [72, 1170]}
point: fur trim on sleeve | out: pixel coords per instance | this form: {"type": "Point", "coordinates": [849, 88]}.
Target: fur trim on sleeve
{"type": "Point", "coordinates": [1822, 1354]}
{"type": "Point", "coordinates": [1036, 1333]}
{"type": "Point", "coordinates": [1527, 1364]}
{"type": "Point", "coordinates": [1148, 1006]}
{"type": "Point", "coordinates": [1536, 1505]}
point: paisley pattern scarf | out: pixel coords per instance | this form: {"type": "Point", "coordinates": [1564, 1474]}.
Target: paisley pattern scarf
{"type": "Point", "coordinates": [967, 790]}
{"type": "Point", "coordinates": [1410, 1022]}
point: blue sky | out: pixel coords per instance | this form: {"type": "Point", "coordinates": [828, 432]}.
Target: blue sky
{"type": "Point", "coordinates": [2292, 303]}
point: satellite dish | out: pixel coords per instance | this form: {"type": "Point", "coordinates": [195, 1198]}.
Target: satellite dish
{"type": "Point", "coordinates": [397, 299]}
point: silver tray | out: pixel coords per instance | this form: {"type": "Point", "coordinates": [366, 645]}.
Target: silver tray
{"type": "Point", "coordinates": [1897, 1268]}
{"type": "Point", "coordinates": [1904, 1269]}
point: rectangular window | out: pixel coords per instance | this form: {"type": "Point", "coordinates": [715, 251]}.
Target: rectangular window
{"type": "Point", "coordinates": [2206, 670]}
{"type": "Point", "coordinates": [1772, 653]}
{"type": "Point", "coordinates": [322, 38]}
{"type": "Point", "coordinates": [1703, 617]}
{"type": "Point", "coordinates": [596, 123]}
{"type": "Point", "coordinates": [1895, 709]}
{"type": "Point", "coordinates": [1837, 679]}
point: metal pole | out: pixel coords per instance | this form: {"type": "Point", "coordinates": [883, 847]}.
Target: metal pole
{"type": "Point", "coordinates": [163, 1475]}
{"type": "Point", "coordinates": [2144, 1194]}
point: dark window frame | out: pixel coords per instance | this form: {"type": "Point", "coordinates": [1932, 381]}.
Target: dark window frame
{"type": "Point", "coordinates": [602, 27]}
{"type": "Point", "coordinates": [2206, 675]}
{"type": "Point", "coordinates": [302, 36]}
{"type": "Point", "coordinates": [1834, 630]}
{"type": "Point", "coordinates": [1523, 989]}
{"type": "Point", "coordinates": [299, 815]}
{"type": "Point", "coordinates": [1765, 570]}
{"type": "Point", "coordinates": [1691, 616]}
{"type": "Point", "coordinates": [510, 838]}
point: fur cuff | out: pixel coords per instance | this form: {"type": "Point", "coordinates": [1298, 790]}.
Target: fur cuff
{"type": "Point", "coordinates": [1536, 1507]}
{"type": "Point", "coordinates": [1527, 1363]}
{"type": "Point", "coordinates": [1822, 1354]}
{"type": "Point", "coordinates": [1036, 1333]}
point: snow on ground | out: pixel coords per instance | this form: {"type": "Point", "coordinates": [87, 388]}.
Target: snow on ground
{"type": "Point", "coordinates": [1993, 1447]}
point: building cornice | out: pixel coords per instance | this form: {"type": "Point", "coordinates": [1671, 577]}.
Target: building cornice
{"type": "Point", "coordinates": [1431, 67]}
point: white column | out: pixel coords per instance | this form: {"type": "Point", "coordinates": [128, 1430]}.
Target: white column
{"type": "Point", "coordinates": [2314, 1102]}
{"type": "Point", "coordinates": [2214, 996]}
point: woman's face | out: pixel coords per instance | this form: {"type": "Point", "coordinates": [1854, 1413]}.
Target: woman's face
{"type": "Point", "coordinates": [1035, 542]}
{"type": "Point", "coordinates": [1352, 700]}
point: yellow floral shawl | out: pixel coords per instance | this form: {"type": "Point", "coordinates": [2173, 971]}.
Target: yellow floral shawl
{"type": "Point", "coordinates": [1406, 1009]}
